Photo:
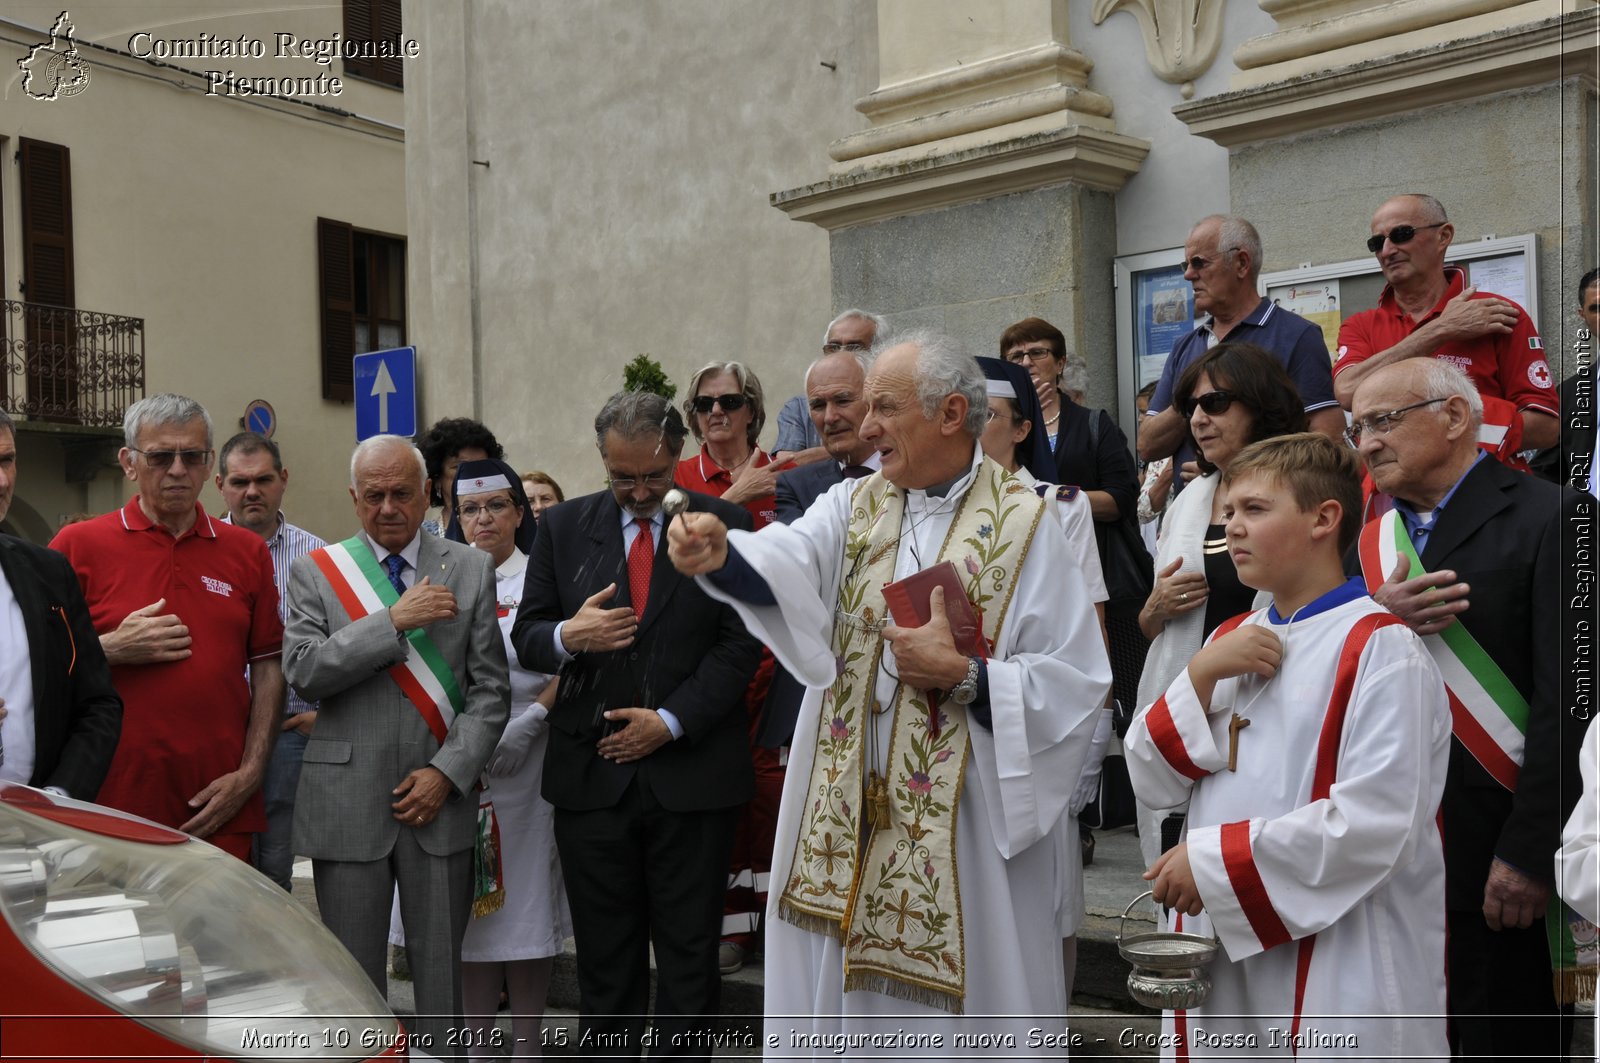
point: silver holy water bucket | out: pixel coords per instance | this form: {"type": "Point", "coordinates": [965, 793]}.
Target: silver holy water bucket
{"type": "Point", "coordinates": [1169, 968]}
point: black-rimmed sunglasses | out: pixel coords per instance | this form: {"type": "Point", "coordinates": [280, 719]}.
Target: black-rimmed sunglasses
{"type": "Point", "coordinates": [729, 403]}
{"type": "Point", "coordinates": [1213, 402]}
{"type": "Point", "coordinates": [1400, 234]}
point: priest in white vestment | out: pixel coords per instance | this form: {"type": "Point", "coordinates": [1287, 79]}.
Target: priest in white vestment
{"type": "Point", "coordinates": [913, 907]}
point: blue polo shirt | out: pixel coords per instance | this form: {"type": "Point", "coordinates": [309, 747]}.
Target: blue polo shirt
{"type": "Point", "coordinates": [1295, 341]}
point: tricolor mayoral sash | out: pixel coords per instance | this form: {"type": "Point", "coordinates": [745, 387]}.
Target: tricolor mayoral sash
{"type": "Point", "coordinates": [363, 588]}
{"type": "Point", "coordinates": [878, 870]}
{"type": "Point", "coordinates": [1488, 714]}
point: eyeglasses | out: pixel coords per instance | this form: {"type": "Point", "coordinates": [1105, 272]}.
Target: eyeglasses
{"type": "Point", "coordinates": [1400, 234]}
{"type": "Point", "coordinates": [834, 346]}
{"type": "Point", "coordinates": [1031, 354]}
{"type": "Point", "coordinates": [729, 403]}
{"type": "Point", "coordinates": [163, 459]}
{"type": "Point", "coordinates": [1214, 403]}
{"type": "Point", "coordinates": [1198, 264]}
{"type": "Point", "coordinates": [494, 507]}
{"type": "Point", "coordinates": [654, 482]}
{"type": "Point", "coordinates": [1381, 424]}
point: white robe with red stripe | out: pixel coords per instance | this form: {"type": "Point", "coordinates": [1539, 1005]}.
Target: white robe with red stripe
{"type": "Point", "coordinates": [1319, 861]}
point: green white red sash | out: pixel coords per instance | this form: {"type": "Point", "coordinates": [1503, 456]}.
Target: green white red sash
{"type": "Point", "coordinates": [363, 588]}
{"type": "Point", "coordinates": [1488, 714]}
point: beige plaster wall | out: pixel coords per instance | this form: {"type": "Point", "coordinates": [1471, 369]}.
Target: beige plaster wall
{"type": "Point", "coordinates": [199, 214]}
{"type": "Point", "coordinates": [630, 150]}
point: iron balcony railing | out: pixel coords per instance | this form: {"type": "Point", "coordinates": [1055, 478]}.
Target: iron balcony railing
{"type": "Point", "coordinates": [69, 366]}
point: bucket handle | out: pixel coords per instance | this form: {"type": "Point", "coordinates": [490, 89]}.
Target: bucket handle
{"type": "Point", "coordinates": [1122, 922]}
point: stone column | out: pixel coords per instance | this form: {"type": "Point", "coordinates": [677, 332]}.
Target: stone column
{"type": "Point", "coordinates": [441, 299]}
{"type": "Point", "coordinates": [981, 190]}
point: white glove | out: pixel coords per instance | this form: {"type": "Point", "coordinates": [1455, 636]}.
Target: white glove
{"type": "Point", "coordinates": [515, 743]}
{"type": "Point", "coordinates": [1089, 782]}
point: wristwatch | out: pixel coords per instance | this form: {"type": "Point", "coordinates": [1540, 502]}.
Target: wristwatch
{"type": "Point", "coordinates": [966, 691]}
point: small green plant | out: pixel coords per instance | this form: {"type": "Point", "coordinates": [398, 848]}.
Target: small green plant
{"type": "Point", "coordinates": [644, 373]}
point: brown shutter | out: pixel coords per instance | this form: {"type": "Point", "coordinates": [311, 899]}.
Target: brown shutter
{"type": "Point", "coordinates": [391, 71]}
{"type": "Point", "coordinates": [47, 281]}
{"type": "Point", "coordinates": [46, 223]}
{"type": "Point", "coordinates": [374, 20]}
{"type": "Point", "coordinates": [336, 290]}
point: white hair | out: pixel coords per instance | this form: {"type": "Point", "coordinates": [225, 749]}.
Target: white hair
{"type": "Point", "coordinates": [158, 410]}
{"type": "Point", "coordinates": [372, 444]}
{"type": "Point", "coordinates": [880, 324]}
{"type": "Point", "coordinates": [943, 369]}
{"type": "Point", "coordinates": [1442, 380]}
{"type": "Point", "coordinates": [1236, 234]}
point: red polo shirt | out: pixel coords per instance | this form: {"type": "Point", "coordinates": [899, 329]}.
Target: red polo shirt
{"type": "Point", "coordinates": [700, 473]}
{"type": "Point", "coordinates": [183, 722]}
{"type": "Point", "coordinates": [1508, 366]}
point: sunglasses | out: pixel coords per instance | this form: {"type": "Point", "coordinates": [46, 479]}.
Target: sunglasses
{"type": "Point", "coordinates": [1198, 264]}
{"type": "Point", "coordinates": [163, 459]}
{"type": "Point", "coordinates": [1213, 402]}
{"type": "Point", "coordinates": [1400, 234]}
{"type": "Point", "coordinates": [729, 403]}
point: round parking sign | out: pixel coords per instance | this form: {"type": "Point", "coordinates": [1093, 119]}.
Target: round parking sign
{"type": "Point", "coordinates": [260, 418]}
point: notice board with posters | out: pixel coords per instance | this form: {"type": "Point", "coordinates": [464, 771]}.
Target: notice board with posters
{"type": "Point", "coordinates": [1155, 309]}
{"type": "Point", "coordinates": [1155, 305]}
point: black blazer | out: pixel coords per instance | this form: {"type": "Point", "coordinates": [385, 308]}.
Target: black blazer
{"type": "Point", "coordinates": [1092, 453]}
{"type": "Point", "coordinates": [1501, 534]}
{"type": "Point", "coordinates": [77, 713]}
{"type": "Point", "coordinates": [691, 656]}
{"type": "Point", "coordinates": [804, 484]}
{"type": "Point", "coordinates": [1576, 445]}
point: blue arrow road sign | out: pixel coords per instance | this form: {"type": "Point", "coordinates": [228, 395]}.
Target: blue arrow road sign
{"type": "Point", "coordinates": [386, 393]}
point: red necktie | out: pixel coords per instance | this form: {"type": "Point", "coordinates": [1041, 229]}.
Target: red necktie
{"type": "Point", "coordinates": [641, 558]}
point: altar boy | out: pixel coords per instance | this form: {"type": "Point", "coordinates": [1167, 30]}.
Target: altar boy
{"type": "Point", "coordinates": [1310, 739]}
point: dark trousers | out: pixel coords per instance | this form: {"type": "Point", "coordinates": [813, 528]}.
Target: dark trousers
{"type": "Point", "coordinates": [640, 876]}
{"type": "Point", "coordinates": [1502, 999]}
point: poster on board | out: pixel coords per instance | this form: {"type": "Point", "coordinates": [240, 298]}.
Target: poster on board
{"type": "Point", "coordinates": [1317, 302]}
{"type": "Point", "coordinates": [1504, 275]}
{"type": "Point", "coordinates": [1165, 308]}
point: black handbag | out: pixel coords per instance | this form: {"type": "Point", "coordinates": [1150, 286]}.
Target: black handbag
{"type": "Point", "coordinates": [1128, 568]}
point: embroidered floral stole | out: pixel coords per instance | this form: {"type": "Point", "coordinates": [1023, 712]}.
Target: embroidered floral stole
{"type": "Point", "coordinates": [890, 892]}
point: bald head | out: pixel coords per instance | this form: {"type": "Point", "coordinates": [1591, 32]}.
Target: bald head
{"type": "Point", "coordinates": [389, 484]}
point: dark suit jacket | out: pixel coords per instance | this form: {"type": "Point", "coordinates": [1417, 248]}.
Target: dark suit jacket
{"type": "Point", "coordinates": [691, 656]}
{"type": "Point", "coordinates": [77, 714]}
{"type": "Point", "coordinates": [1576, 446]}
{"type": "Point", "coordinates": [1501, 534]}
{"type": "Point", "coordinates": [803, 485]}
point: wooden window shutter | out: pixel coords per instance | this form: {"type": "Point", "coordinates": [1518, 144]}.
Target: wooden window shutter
{"type": "Point", "coordinates": [51, 361]}
{"type": "Point", "coordinates": [374, 20]}
{"type": "Point", "coordinates": [336, 290]}
{"type": "Point", "coordinates": [46, 223]}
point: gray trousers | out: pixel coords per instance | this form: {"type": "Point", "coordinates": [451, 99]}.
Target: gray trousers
{"type": "Point", "coordinates": [435, 903]}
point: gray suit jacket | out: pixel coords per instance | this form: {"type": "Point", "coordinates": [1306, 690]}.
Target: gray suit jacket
{"type": "Point", "coordinates": [369, 736]}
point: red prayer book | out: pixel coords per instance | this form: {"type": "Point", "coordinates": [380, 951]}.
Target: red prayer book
{"type": "Point", "coordinates": [909, 602]}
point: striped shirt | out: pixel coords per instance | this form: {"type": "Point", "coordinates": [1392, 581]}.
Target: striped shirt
{"type": "Point", "coordinates": [288, 543]}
